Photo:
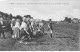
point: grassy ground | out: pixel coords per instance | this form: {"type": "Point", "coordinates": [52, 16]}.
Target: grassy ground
{"type": "Point", "coordinates": [65, 38]}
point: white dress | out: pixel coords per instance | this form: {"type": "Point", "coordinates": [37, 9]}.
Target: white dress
{"type": "Point", "coordinates": [16, 29]}
{"type": "Point", "coordinates": [17, 25]}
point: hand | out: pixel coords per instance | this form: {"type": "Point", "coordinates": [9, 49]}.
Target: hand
{"type": "Point", "coordinates": [3, 26]}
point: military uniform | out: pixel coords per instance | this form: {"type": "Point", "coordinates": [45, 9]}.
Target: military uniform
{"type": "Point", "coordinates": [2, 29]}
{"type": "Point", "coordinates": [51, 28]}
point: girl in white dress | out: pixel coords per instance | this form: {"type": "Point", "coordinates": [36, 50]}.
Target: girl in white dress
{"type": "Point", "coordinates": [17, 28]}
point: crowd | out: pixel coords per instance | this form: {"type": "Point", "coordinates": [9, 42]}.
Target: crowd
{"type": "Point", "coordinates": [24, 28]}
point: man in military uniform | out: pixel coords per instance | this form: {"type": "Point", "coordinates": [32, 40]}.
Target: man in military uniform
{"type": "Point", "coordinates": [50, 27]}
{"type": "Point", "coordinates": [2, 28]}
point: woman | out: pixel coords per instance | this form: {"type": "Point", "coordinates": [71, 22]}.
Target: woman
{"type": "Point", "coordinates": [24, 31]}
{"type": "Point", "coordinates": [12, 25]}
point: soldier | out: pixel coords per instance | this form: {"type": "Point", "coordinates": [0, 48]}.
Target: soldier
{"type": "Point", "coordinates": [2, 28]}
{"type": "Point", "coordinates": [50, 27]}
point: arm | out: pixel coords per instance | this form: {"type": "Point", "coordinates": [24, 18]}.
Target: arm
{"type": "Point", "coordinates": [11, 25]}
{"type": "Point", "coordinates": [48, 26]}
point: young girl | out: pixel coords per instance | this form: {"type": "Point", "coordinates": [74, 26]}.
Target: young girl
{"type": "Point", "coordinates": [17, 29]}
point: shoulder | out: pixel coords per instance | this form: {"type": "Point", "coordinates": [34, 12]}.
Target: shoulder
{"type": "Point", "coordinates": [23, 22]}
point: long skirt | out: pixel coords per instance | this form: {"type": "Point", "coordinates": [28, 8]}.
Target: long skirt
{"type": "Point", "coordinates": [16, 32]}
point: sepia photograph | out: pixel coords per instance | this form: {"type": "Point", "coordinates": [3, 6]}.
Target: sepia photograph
{"type": "Point", "coordinates": [39, 25]}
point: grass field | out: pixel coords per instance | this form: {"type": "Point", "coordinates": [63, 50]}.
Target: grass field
{"type": "Point", "coordinates": [65, 38]}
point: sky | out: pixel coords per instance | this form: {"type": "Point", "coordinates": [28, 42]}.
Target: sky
{"type": "Point", "coordinates": [42, 9]}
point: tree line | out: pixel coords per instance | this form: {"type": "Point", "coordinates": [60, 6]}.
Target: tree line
{"type": "Point", "coordinates": [67, 19]}
{"type": "Point", "coordinates": [7, 16]}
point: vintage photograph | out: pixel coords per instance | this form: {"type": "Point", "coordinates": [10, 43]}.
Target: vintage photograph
{"type": "Point", "coordinates": [39, 25]}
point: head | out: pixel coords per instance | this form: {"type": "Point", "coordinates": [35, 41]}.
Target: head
{"type": "Point", "coordinates": [13, 19]}
{"type": "Point", "coordinates": [18, 20]}
{"type": "Point", "coordinates": [0, 15]}
{"type": "Point", "coordinates": [24, 19]}
{"type": "Point", "coordinates": [50, 19]}
{"type": "Point", "coordinates": [1, 19]}
{"type": "Point", "coordinates": [31, 20]}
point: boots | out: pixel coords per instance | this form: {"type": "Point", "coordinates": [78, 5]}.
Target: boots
{"type": "Point", "coordinates": [51, 35]}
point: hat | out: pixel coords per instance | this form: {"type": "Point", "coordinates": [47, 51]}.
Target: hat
{"type": "Point", "coordinates": [28, 16]}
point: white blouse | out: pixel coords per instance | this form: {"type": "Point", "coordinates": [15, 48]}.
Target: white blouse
{"type": "Point", "coordinates": [23, 25]}
{"type": "Point", "coordinates": [17, 24]}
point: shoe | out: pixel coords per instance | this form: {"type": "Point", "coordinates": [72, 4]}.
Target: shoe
{"type": "Point", "coordinates": [20, 42]}
{"type": "Point", "coordinates": [13, 36]}
{"type": "Point", "coordinates": [25, 43]}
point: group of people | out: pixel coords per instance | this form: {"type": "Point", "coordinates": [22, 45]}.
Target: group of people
{"type": "Point", "coordinates": [24, 28]}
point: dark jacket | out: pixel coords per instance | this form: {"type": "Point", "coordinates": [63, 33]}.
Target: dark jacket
{"type": "Point", "coordinates": [51, 25]}
{"type": "Point", "coordinates": [0, 27]}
